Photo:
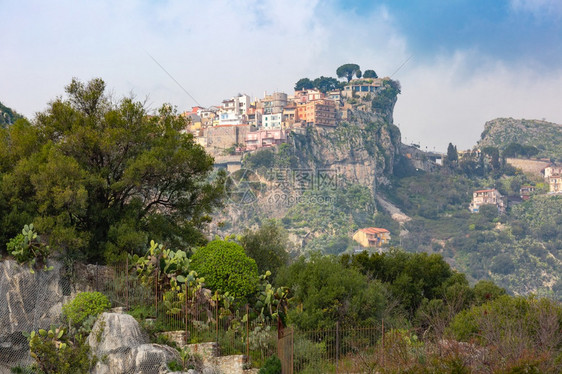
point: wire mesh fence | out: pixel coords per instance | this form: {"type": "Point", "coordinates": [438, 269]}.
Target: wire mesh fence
{"type": "Point", "coordinates": [195, 315]}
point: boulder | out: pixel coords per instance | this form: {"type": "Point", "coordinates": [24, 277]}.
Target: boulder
{"type": "Point", "coordinates": [122, 347]}
{"type": "Point", "coordinates": [28, 301]}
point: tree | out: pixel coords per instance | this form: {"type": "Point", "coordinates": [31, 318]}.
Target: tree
{"type": "Point", "coordinates": [347, 71]}
{"type": "Point", "coordinates": [304, 84]}
{"type": "Point", "coordinates": [370, 74]}
{"type": "Point", "coordinates": [328, 292]}
{"type": "Point", "coordinates": [226, 268]}
{"type": "Point", "coordinates": [325, 84]}
{"type": "Point", "coordinates": [358, 74]}
{"type": "Point", "coordinates": [98, 176]}
{"type": "Point", "coordinates": [268, 246]}
{"type": "Point", "coordinates": [452, 155]}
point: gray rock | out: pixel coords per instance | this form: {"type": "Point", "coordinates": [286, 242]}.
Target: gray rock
{"type": "Point", "coordinates": [122, 347]}
{"type": "Point", "coordinates": [28, 301]}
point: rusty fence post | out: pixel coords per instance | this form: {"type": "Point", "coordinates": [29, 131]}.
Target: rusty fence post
{"type": "Point", "coordinates": [156, 290]}
{"type": "Point", "coordinates": [337, 345]}
{"type": "Point", "coordinates": [127, 282]}
{"type": "Point", "coordinates": [382, 346]}
{"type": "Point", "coordinates": [186, 293]}
{"type": "Point", "coordinates": [247, 332]}
{"type": "Point", "coordinates": [217, 314]}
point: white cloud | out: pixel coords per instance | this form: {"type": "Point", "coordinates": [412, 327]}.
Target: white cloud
{"type": "Point", "coordinates": [541, 8]}
{"type": "Point", "coordinates": [441, 103]}
{"type": "Point", "coordinates": [216, 49]}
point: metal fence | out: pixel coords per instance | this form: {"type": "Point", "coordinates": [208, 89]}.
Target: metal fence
{"type": "Point", "coordinates": [202, 318]}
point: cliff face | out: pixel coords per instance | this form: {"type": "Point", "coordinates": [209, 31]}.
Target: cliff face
{"type": "Point", "coordinates": [361, 150]}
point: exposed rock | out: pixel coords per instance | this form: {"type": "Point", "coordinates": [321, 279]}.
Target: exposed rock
{"type": "Point", "coordinates": [122, 347]}
{"type": "Point", "coordinates": [28, 301]}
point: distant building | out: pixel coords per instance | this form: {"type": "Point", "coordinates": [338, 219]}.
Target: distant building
{"type": "Point", "coordinates": [525, 192]}
{"type": "Point", "coordinates": [274, 103]}
{"type": "Point", "coordinates": [304, 96]}
{"type": "Point", "coordinates": [372, 237]}
{"type": "Point", "coordinates": [264, 138]}
{"type": "Point", "coordinates": [485, 197]}
{"type": "Point", "coordinates": [361, 87]}
{"type": "Point", "coordinates": [318, 112]}
{"type": "Point", "coordinates": [555, 183]}
{"type": "Point", "coordinates": [551, 170]}
{"type": "Point", "coordinates": [272, 121]}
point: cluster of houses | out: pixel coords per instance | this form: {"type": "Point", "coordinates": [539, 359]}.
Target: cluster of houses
{"type": "Point", "coordinates": [552, 175]}
{"type": "Point", "coordinates": [253, 124]}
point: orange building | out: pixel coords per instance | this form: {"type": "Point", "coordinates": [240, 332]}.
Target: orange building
{"type": "Point", "coordinates": [318, 112]}
{"type": "Point", "coordinates": [372, 237]}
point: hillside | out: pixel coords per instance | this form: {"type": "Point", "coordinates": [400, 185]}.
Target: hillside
{"type": "Point", "coordinates": [8, 115]}
{"type": "Point", "coordinates": [322, 183]}
{"type": "Point", "coordinates": [545, 136]}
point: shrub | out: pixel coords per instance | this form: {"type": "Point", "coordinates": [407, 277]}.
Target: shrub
{"type": "Point", "coordinates": [27, 248]}
{"type": "Point", "coordinates": [226, 268]}
{"type": "Point", "coordinates": [85, 305]}
{"type": "Point", "coordinates": [271, 366]}
{"type": "Point", "coordinates": [54, 352]}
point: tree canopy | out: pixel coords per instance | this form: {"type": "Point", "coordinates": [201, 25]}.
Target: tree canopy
{"type": "Point", "coordinates": [370, 74]}
{"type": "Point", "coordinates": [101, 177]}
{"type": "Point", "coordinates": [268, 247]}
{"type": "Point", "coordinates": [226, 268]}
{"type": "Point", "coordinates": [347, 71]}
{"type": "Point", "coordinates": [304, 84]}
{"type": "Point", "coordinates": [323, 84]}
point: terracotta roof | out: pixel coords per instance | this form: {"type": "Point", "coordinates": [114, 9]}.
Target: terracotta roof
{"type": "Point", "coordinates": [373, 230]}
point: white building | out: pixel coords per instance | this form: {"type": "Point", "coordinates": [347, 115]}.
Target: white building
{"type": "Point", "coordinates": [272, 121]}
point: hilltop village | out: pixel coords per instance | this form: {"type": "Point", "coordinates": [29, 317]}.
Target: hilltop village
{"type": "Point", "coordinates": [243, 124]}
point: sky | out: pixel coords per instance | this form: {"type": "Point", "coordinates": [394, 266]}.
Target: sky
{"type": "Point", "coordinates": [460, 62]}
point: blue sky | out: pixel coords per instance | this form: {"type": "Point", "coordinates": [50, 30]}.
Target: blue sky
{"type": "Point", "coordinates": [469, 61]}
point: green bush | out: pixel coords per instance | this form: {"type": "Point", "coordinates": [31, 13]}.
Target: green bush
{"type": "Point", "coordinates": [271, 366]}
{"type": "Point", "coordinates": [226, 268]}
{"type": "Point", "coordinates": [85, 305]}
{"type": "Point", "coordinates": [54, 352]}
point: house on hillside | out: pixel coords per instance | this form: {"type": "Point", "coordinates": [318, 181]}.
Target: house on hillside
{"type": "Point", "coordinates": [555, 183]}
{"type": "Point", "coordinates": [525, 192]}
{"type": "Point", "coordinates": [265, 138]}
{"type": "Point", "coordinates": [361, 87]}
{"type": "Point", "coordinates": [372, 237]}
{"type": "Point", "coordinates": [486, 197]}
{"type": "Point", "coordinates": [550, 170]}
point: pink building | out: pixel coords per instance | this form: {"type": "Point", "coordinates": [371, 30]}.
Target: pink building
{"type": "Point", "coordinates": [265, 138]}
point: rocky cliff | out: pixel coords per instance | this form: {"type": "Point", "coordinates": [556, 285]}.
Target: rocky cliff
{"type": "Point", "coordinates": [28, 301]}
{"type": "Point", "coordinates": [361, 150]}
{"type": "Point", "coordinates": [329, 172]}
{"type": "Point", "coordinates": [546, 136]}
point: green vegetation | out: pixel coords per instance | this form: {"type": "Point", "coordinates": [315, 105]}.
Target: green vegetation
{"type": "Point", "coordinates": [8, 116]}
{"type": "Point", "coordinates": [226, 268]}
{"type": "Point", "coordinates": [54, 352]}
{"type": "Point", "coordinates": [99, 177]}
{"type": "Point", "coordinates": [268, 246]}
{"type": "Point", "coordinates": [271, 366]}
{"type": "Point", "coordinates": [84, 306]}
{"type": "Point", "coordinates": [27, 248]}
{"type": "Point", "coordinates": [347, 71]}
{"type": "Point", "coordinates": [323, 84]}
